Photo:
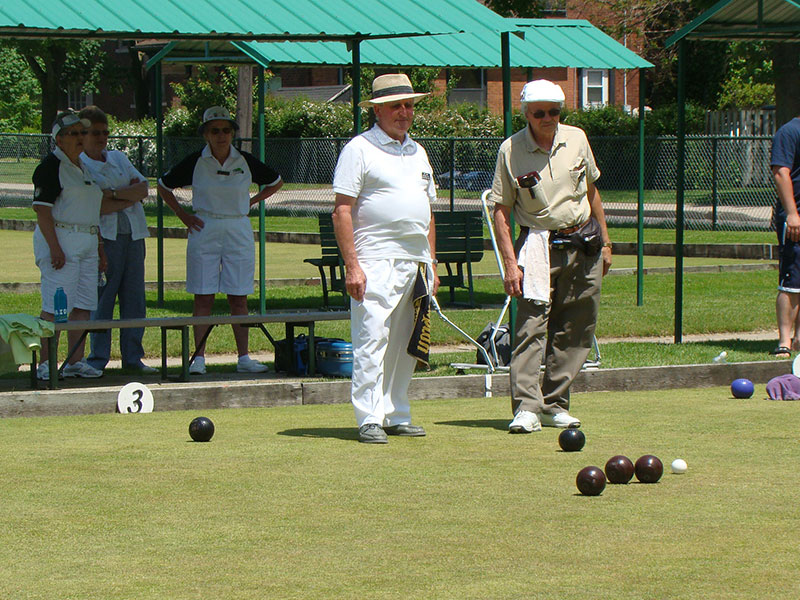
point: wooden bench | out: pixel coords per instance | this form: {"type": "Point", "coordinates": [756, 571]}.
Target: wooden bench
{"type": "Point", "coordinates": [291, 320]}
{"type": "Point", "coordinates": [459, 243]}
{"type": "Point", "coordinates": [331, 260]}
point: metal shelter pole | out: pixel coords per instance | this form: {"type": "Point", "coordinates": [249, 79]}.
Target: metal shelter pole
{"type": "Point", "coordinates": [262, 225]}
{"type": "Point", "coordinates": [356, 50]}
{"type": "Point", "coordinates": [159, 169]}
{"type": "Point", "coordinates": [507, 126]}
{"type": "Point", "coordinates": [640, 202]}
{"type": "Point", "coordinates": [679, 199]}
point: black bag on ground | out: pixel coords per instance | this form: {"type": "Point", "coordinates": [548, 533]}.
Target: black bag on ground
{"type": "Point", "coordinates": [502, 342]}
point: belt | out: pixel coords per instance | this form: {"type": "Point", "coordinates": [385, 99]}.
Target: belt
{"type": "Point", "coordinates": [93, 229]}
{"type": "Point", "coordinates": [573, 229]}
{"type": "Point", "coordinates": [218, 216]}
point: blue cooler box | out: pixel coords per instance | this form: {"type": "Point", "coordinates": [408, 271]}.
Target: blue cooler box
{"type": "Point", "coordinates": [334, 358]}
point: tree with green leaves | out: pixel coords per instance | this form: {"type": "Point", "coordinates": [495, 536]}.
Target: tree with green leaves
{"type": "Point", "coordinates": [57, 65]}
{"type": "Point", "coordinates": [19, 103]}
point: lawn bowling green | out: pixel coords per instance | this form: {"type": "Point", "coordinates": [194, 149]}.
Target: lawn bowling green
{"type": "Point", "coordinates": [284, 503]}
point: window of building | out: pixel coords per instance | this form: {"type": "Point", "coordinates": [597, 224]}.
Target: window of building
{"type": "Point", "coordinates": [594, 87]}
{"type": "Point", "coordinates": [77, 99]}
{"type": "Point", "coordinates": [470, 86]}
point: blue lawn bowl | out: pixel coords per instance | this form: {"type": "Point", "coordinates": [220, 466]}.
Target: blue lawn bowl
{"type": "Point", "coordinates": [742, 388]}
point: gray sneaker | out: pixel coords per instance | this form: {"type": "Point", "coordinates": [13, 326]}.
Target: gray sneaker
{"type": "Point", "coordinates": [372, 433]}
{"type": "Point", "coordinates": [82, 369]}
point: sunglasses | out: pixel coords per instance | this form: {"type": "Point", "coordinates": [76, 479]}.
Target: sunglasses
{"type": "Point", "coordinates": [218, 130]}
{"type": "Point", "coordinates": [74, 133]}
{"type": "Point", "coordinates": [539, 114]}
{"type": "Point", "coordinates": [98, 132]}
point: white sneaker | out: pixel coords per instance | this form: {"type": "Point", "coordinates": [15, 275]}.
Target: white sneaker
{"type": "Point", "coordinates": [43, 371]}
{"type": "Point", "coordinates": [198, 366]}
{"type": "Point", "coordinates": [82, 369]}
{"type": "Point", "coordinates": [248, 365]}
{"type": "Point", "coordinates": [562, 420]}
{"type": "Point", "coordinates": [524, 422]}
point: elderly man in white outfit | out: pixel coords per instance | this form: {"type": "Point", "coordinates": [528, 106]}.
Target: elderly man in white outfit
{"type": "Point", "coordinates": [384, 226]}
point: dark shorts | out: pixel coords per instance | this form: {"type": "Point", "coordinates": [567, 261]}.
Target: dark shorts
{"type": "Point", "coordinates": [789, 260]}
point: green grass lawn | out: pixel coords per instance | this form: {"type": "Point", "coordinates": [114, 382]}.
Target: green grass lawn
{"type": "Point", "coordinates": [284, 503]}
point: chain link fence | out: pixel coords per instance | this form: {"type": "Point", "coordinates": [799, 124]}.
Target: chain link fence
{"type": "Point", "coordinates": [728, 181]}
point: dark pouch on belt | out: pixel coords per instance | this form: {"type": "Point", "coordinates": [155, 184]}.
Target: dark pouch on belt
{"type": "Point", "coordinates": [587, 239]}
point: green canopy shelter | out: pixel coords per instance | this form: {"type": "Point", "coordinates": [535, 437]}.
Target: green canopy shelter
{"type": "Point", "coordinates": [727, 20]}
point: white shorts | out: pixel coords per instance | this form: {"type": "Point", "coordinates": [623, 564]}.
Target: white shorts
{"type": "Point", "coordinates": [78, 276]}
{"type": "Point", "coordinates": [221, 257]}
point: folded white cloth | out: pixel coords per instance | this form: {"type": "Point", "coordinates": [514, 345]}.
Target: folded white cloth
{"type": "Point", "coordinates": [534, 259]}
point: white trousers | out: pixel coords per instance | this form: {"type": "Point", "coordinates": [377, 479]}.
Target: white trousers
{"type": "Point", "coordinates": [380, 327]}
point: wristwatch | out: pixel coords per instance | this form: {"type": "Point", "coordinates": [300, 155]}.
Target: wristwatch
{"type": "Point", "coordinates": [607, 244]}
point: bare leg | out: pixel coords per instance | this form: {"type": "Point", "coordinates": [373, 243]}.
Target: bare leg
{"type": "Point", "coordinates": [77, 314]}
{"type": "Point", "coordinates": [241, 334]}
{"type": "Point", "coordinates": [786, 309]}
{"type": "Point", "coordinates": [202, 308]}
{"type": "Point", "coordinates": [45, 351]}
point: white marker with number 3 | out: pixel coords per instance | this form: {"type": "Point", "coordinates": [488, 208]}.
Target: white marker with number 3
{"type": "Point", "coordinates": [135, 398]}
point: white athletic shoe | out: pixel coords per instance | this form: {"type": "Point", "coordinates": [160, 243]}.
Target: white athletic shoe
{"type": "Point", "coordinates": [43, 371]}
{"type": "Point", "coordinates": [562, 420]}
{"type": "Point", "coordinates": [524, 422]}
{"type": "Point", "coordinates": [248, 365]}
{"type": "Point", "coordinates": [82, 369]}
{"type": "Point", "coordinates": [198, 366]}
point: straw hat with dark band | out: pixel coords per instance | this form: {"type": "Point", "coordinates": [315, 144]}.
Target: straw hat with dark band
{"type": "Point", "coordinates": [391, 88]}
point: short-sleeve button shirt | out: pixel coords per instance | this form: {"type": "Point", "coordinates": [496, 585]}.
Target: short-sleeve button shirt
{"type": "Point", "coordinates": [220, 189]}
{"type": "Point", "coordinates": [67, 189]}
{"type": "Point", "coordinates": [566, 170]}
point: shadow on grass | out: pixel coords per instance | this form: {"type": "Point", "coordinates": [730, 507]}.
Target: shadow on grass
{"type": "Point", "coordinates": [499, 424]}
{"type": "Point", "coordinates": [340, 433]}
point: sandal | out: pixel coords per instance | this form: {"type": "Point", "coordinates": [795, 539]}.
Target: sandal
{"type": "Point", "coordinates": [782, 351]}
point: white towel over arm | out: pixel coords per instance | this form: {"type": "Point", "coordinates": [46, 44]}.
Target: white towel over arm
{"type": "Point", "coordinates": [534, 259]}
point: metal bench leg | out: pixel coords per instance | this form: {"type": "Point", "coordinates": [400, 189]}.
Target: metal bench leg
{"type": "Point", "coordinates": [163, 354]}
{"type": "Point", "coordinates": [312, 352]}
{"type": "Point", "coordinates": [34, 381]}
{"type": "Point", "coordinates": [185, 351]}
{"type": "Point", "coordinates": [52, 346]}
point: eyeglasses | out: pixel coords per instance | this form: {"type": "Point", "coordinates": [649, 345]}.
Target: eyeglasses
{"type": "Point", "coordinates": [539, 114]}
{"type": "Point", "coordinates": [218, 130]}
{"type": "Point", "coordinates": [98, 132]}
{"type": "Point", "coordinates": [75, 133]}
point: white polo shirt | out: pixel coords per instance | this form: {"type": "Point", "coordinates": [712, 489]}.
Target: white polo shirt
{"type": "Point", "coordinates": [117, 172]}
{"type": "Point", "coordinates": [67, 189]}
{"type": "Point", "coordinates": [394, 188]}
{"type": "Point", "coordinates": [220, 189]}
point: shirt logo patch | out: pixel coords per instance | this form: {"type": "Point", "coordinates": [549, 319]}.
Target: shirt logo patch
{"type": "Point", "coordinates": [238, 170]}
{"type": "Point", "coordinates": [37, 192]}
{"type": "Point", "coordinates": [220, 172]}
{"type": "Point", "coordinates": [426, 176]}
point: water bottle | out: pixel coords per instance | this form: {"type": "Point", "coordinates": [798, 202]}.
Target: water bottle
{"type": "Point", "coordinates": [60, 304]}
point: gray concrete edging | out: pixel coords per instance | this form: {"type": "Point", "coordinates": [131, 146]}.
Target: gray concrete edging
{"type": "Point", "coordinates": [253, 393]}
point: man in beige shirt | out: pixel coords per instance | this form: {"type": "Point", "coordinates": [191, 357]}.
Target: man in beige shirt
{"type": "Point", "coordinates": [546, 174]}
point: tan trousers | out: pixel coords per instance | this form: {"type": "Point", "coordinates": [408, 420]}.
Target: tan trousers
{"type": "Point", "coordinates": [559, 335]}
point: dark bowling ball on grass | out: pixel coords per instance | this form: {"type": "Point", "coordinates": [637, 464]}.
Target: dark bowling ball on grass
{"type": "Point", "coordinates": [619, 469]}
{"type": "Point", "coordinates": [648, 469]}
{"type": "Point", "coordinates": [591, 481]}
{"type": "Point", "coordinates": [201, 429]}
{"type": "Point", "coordinates": [742, 388]}
{"type": "Point", "coordinates": [571, 440]}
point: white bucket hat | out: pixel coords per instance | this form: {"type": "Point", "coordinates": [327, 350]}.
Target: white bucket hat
{"type": "Point", "coordinates": [541, 90]}
{"type": "Point", "coordinates": [391, 88]}
{"type": "Point", "coordinates": [68, 118]}
{"type": "Point", "coordinates": [217, 113]}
